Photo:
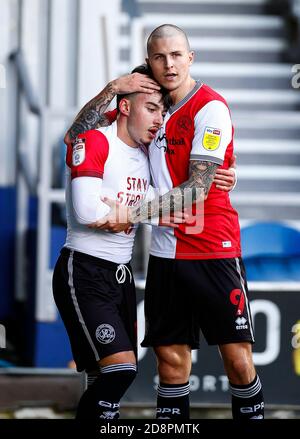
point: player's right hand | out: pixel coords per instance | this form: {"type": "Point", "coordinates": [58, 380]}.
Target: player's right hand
{"type": "Point", "coordinates": [116, 220]}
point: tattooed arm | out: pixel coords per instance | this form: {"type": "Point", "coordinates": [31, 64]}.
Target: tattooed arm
{"type": "Point", "coordinates": [92, 114]}
{"type": "Point", "coordinates": [201, 177]}
{"type": "Point", "coordinates": [164, 207]}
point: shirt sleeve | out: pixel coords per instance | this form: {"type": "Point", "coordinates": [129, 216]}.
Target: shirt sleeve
{"type": "Point", "coordinates": [111, 116]}
{"type": "Point", "coordinates": [86, 200]}
{"type": "Point", "coordinates": [213, 133]}
{"type": "Point", "coordinates": [87, 155]}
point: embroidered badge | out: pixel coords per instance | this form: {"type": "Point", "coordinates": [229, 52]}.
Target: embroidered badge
{"type": "Point", "coordinates": [105, 333]}
{"type": "Point", "coordinates": [78, 154]}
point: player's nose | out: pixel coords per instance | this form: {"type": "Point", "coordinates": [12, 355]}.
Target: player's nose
{"type": "Point", "coordinates": [168, 62]}
{"type": "Point", "coordinates": [158, 119]}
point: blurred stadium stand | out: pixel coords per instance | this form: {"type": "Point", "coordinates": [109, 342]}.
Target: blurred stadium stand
{"type": "Point", "coordinates": [271, 252]}
{"type": "Point", "coordinates": [53, 51]}
{"type": "Point", "coordinates": [240, 50]}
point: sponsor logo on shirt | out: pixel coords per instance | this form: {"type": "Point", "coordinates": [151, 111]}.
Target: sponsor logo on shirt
{"type": "Point", "coordinates": [162, 142]}
{"type": "Point", "coordinates": [211, 138]}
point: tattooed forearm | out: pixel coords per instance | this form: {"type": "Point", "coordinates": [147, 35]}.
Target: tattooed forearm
{"type": "Point", "coordinates": [103, 122]}
{"type": "Point", "coordinates": [91, 114]}
{"type": "Point", "coordinates": [202, 173]}
{"type": "Point", "coordinates": [88, 120]}
{"type": "Point", "coordinates": [92, 121]}
{"type": "Point", "coordinates": [196, 188]}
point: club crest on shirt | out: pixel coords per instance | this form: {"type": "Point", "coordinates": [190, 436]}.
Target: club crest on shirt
{"type": "Point", "coordinates": [78, 154]}
{"type": "Point", "coordinates": [184, 124]}
{"type": "Point", "coordinates": [211, 138]}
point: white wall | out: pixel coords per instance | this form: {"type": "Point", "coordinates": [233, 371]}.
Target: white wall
{"type": "Point", "coordinates": [63, 53]}
{"type": "Point", "coordinates": [32, 46]}
{"type": "Point", "coordinates": [8, 38]}
{"type": "Point", "coordinates": [70, 49]}
{"type": "Point", "coordinates": [98, 59]}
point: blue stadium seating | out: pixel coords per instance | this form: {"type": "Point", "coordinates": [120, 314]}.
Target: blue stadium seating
{"type": "Point", "coordinates": [271, 252]}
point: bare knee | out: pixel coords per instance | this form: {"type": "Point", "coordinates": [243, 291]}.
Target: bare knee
{"type": "Point", "coordinates": [238, 363]}
{"type": "Point", "coordinates": [241, 371]}
{"type": "Point", "coordinates": [174, 363]}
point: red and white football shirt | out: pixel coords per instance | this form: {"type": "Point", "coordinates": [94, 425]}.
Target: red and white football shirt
{"type": "Point", "coordinates": [125, 177]}
{"type": "Point", "coordinates": [197, 128]}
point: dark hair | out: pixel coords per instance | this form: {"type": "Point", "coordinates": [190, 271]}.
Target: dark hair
{"type": "Point", "coordinates": [145, 69]}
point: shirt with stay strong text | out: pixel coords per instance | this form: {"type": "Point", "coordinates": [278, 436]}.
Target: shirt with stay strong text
{"type": "Point", "coordinates": [124, 171]}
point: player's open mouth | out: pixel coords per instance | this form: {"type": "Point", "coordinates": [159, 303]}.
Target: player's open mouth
{"type": "Point", "coordinates": [170, 76]}
{"type": "Point", "coordinates": [153, 132]}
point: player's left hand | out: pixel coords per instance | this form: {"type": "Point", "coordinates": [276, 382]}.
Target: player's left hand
{"type": "Point", "coordinates": [225, 178]}
{"type": "Point", "coordinates": [116, 220]}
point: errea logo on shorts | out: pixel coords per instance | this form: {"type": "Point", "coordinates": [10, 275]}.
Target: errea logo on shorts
{"type": "Point", "coordinates": [241, 323]}
{"type": "Point", "coordinates": [105, 333]}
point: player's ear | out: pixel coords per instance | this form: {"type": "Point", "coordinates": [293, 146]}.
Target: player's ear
{"type": "Point", "coordinates": [124, 106]}
{"type": "Point", "coordinates": [191, 56]}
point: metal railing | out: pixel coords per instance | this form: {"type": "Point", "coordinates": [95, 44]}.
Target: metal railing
{"type": "Point", "coordinates": [37, 184]}
{"type": "Point", "coordinates": [25, 87]}
{"type": "Point", "coordinates": [26, 179]}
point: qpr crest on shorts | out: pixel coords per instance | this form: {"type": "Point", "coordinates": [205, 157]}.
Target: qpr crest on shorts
{"type": "Point", "coordinates": [105, 333]}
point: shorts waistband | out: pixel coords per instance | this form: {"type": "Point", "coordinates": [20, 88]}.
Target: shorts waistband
{"type": "Point", "coordinates": [109, 265]}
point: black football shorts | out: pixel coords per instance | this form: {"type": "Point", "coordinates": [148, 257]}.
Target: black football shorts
{"type": "Point", "coordinates": [99, 313]}
{"type": "Point", "coordinates": [183, 297]}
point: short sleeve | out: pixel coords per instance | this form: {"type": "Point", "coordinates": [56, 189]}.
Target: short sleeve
{"type": "Point", "coordinates": [213, 132]}
{"type": "Point", "coordinates": [111, 116]}
{"type": "Point", "coordinates": [87, 155]}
